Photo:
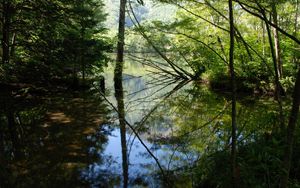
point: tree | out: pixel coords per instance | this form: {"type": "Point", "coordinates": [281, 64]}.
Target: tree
{"type": "Point", "coordinates": [276, 40]}
{"type": "Point", "coordinates": [233, 99]}
{"type": "Point", "coordinates": [119, 88]}
{"type": "Point", "coordinates": [49, 36]}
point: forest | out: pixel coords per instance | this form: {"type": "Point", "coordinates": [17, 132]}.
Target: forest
{"type": "Point", "coordinates": [149, 93]}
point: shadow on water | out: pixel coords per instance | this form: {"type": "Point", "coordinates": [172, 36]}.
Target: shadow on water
{"type": "Point", "coordinates": [44, 139]}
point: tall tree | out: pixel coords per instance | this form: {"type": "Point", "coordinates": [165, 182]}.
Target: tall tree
{"type": "Point", "coordinates": [121, 35]}
{"type": "Point", "coordinates": [119, 88]}
{"type": "Point", "coordinates": [233, 100]}
{"type": "Point", "coordinates": [119, 94]}
{"type": "Point", "coordinates": [275, 58]}
{"type": "Point", "coordinates": [290, 135]}
{"type": "Point", "coordinates": [276, 39]}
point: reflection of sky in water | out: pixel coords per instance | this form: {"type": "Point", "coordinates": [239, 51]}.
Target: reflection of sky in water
{"type": "Point", "coordinates": [141, 164]}
{"type": "Point", "coordinates": [139, 98]}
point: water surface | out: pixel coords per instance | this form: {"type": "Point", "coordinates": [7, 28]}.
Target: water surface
{"type": "Point", "coordinates": [74, 138]}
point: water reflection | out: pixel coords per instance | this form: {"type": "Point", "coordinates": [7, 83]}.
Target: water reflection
{"type": "Point", "coordinates": [43, 137]}
{"type": "Point", "coordinates": [119, 94]}
{"type": "Point", "coordinates": [181, 123]}
{"type": "Point", "coordinates": [68, 138]}
{"type": "Point", "coordinates": [139, 167]}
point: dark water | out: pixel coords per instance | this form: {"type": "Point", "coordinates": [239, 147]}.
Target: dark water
{"type": "Point", "coordinates": [74, 139]}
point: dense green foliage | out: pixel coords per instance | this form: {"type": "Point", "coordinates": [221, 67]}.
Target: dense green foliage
{"type": "Point", "coordinates": [198, 41]}
{"type": "Point", "coordinates": [48, 39]}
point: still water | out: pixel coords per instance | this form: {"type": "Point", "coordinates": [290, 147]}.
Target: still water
{"type": "Point", "coordinates": [73, 139]}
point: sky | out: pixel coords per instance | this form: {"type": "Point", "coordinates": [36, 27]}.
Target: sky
{"type": "Point", "coordinates": [148, 12]}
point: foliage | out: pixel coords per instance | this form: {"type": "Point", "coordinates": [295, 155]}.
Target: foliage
{"type": "Point", "coordinates": [200, 32]}
{"type": "Point", "coordinates": [56, 38]}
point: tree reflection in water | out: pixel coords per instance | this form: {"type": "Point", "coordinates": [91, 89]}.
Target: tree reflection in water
{"type": "Point", "coordinates": [183, 124]}
{"type": "Point", "coordinates": [140, 167]}
{"type": "Point", "coordinates": [119, 94]}
{"type": "Point", "coordinates": [67, 139]}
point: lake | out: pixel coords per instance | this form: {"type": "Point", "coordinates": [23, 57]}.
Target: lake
{"type": "Point", "coordinates": [157, 132]}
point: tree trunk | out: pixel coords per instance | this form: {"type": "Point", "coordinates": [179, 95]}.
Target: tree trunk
{"type": "Point", "coordinates": [75, 82]}
{"type": "Point", "coordinates": [278, 89]}
{"type": "Point", "coordinates": [119, 94]}
{"type": "Point", "coordinates": [2, 157]}
{"type": "Point", "coordinates": [13, 134]}
{"type": "Point", "coordinates": [119, 89]}
{"type": "Point", "coordinates": [13, 45]}
{"type": "Point", "coordinates": [233, 111]}
{"type": "Point", "coordinates": [83, 73]}
{"type": "Point", "coordinates": [291, 133]}
{"type": "Point", "coordinates": [276, 40]}
{"type": "Point", "coordinates": [263, 38]}
{"type": "Point", "coordinates": [83, 65]}
{"type": "Point", "coordinates": [5, 31]}
{"type": "Point", "coordinates": [295, 58]}
{"type": "Point", "coordinates": [121, 34]}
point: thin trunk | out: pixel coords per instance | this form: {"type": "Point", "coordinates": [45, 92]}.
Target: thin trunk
{"type": "Point", "coordinates": [293, 116]}
{"type": "Point", "coordinates": [121, 34]}
{"type": "Point", "coordinates": [13, 134]}
{"type": "Point", "coordinates": [233, 112]}
{"type": "Point", "coordinates": [1, 145]}
{"type": "Point", "coordinates": [277, 41]}
{"type": "Point", "coordinates": [83, 66]}
{"type": "Point", "coordinates": [263, 38]}
{"type": "Point", "coordinates": [13, 45]}
{"type": "Point", "coordinates": [120, 45]}
{"type": "Point", "coordinates": [295, 59]}
{"type": "Point", "coordinates": [222, 48]}
{"type": "Point", "coordinates": [262, 17]}
{"type": "Point", "coordinates": [119, 94]}
{"type": "Point", "coordinates": [278, 88]}
{"type": "Point", "coordinates": [3, 162]}
{"type": "Point", "coordinates": [225, 55]}
{"type": "Point", "coordinates": [75, 79]}
{"type": "Point", "coordinates": [119, 89]}
{"type": "Point", "coordinates": [83, 73]}
{"type": "Point", "coordinates": [291, 133]}
{"type": "Point", "coordinates": [5, 31]}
